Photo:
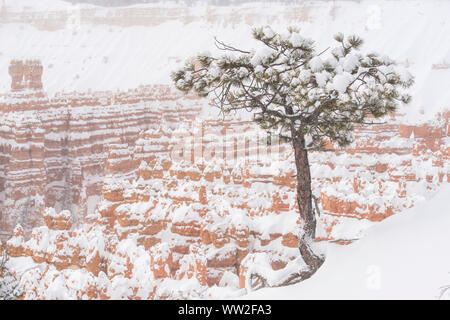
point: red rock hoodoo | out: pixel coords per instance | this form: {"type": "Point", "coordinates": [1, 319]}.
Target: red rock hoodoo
{"type": "Point", "coordinates": [156, 197]}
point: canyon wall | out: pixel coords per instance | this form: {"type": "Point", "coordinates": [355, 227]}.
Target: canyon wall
{"type": "Point", "coordinates": [53, 149]}
{"type": "Point", "coordinates": [185, 203]}
{"type": "Point", "coordinates": [63, 16]}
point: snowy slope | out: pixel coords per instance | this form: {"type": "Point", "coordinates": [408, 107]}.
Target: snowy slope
{"type": "Point", "coordinates": [406, 256]}
{"type": "Point", "coordinates": [99, 56]}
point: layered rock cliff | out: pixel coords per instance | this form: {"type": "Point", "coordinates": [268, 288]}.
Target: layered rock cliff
{"type": "Point", "coordinates": [191, 205]}
{"type": "Point", "coordinates": [53, 149]}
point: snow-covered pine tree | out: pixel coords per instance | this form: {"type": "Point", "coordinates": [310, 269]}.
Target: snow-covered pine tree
{"type": "Point", "coordinates": [9, 286]}
{"type": "Point", "coordinates": [305, 96]}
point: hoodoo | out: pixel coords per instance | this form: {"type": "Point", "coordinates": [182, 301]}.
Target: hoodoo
{"type": "Point", "coordinates": [32, 74]}
{"type": "Point", "coordinates": [25, 75]}
{"type": "Point", "coordinates": [16, 73]}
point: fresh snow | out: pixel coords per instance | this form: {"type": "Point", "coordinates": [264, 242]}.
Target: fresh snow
{"type": "Point", "coordinates": [405, 256]}
{"type": "Point", "coordinates": [105, 57]}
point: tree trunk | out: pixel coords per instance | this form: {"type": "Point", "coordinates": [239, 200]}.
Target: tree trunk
{"type": "Point", "coordinates": [304, 200]}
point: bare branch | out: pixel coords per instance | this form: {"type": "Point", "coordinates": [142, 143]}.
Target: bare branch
{"type": "Point", "coordinates": [225, 47]}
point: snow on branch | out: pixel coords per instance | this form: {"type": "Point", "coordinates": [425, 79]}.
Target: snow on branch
{"type": "Point", "coordinates": [293, 89]}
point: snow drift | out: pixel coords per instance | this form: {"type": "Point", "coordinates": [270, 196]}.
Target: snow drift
{"type": "Point", "coordinates": [403, 257]}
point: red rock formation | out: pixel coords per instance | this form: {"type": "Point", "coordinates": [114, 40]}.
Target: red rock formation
{"type": "Point", "coordinates": [14, 246]}
{"type": "Point", "coordinates": [177, 203]}
{"type": "Point", "coordinates": [53, 150]}
{"type": "Point", "coordinates": [187, 196]}
{"type": "Point", "coordinates": [16, 72]}
{"type": "Point", "coordinates": [32, 74]}
{"type": "Point", "coordinates": [60, 221]}
{"type": "Point", "coordinates": [211, 220]}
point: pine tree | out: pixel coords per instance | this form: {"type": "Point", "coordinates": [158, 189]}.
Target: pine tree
{"type": "Point", "coordinates": [305, 96]}
{"type": "Point", "coordinates": [9, 286]}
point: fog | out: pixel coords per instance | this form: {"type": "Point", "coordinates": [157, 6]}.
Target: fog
{"type": "Point", "coordinates": [111, 3]}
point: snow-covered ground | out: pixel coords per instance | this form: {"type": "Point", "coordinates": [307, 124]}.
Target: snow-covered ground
{"type": "Point", "coordinates": [406, 256]}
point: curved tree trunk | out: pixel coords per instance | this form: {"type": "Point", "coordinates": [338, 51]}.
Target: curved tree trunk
{"type": "Point", "coordinates": [304, 200]}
